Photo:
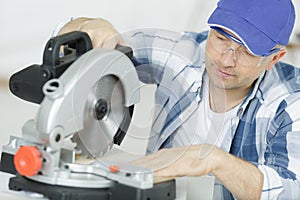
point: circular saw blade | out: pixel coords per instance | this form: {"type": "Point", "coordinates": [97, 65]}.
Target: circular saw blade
{"type": "Point", "coordinates": [103, 115]}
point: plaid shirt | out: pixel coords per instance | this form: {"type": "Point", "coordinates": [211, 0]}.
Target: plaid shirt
{"type": "Point", "coordinates": [266, 128]}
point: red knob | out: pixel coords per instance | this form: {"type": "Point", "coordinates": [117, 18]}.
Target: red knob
{"type": "Point", "coordinates": [28, 161]}
{"type": "Point", "coordinates": [114, 168]}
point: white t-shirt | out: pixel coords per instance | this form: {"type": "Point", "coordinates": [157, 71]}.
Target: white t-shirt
{"type": "Point", "coordinates": [205, 126]}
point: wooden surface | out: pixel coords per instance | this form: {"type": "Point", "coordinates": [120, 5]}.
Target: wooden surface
{"type": "Point", "coordinates": [158, 179]}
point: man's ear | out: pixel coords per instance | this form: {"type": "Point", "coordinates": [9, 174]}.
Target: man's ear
{"type": "Point", "coordinates": [276, 58]}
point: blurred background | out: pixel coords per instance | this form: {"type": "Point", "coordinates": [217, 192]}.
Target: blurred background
{"type": "Point", "coordinates": [27, 25]}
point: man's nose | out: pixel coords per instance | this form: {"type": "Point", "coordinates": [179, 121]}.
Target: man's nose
{"type": "Point", "coordinates": [228, 57]}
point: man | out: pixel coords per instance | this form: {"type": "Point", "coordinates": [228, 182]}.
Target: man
{"type": "Point", "coordinates": [231, 110]}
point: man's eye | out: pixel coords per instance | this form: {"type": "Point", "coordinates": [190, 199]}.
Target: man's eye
{"type": "Point", "coordinates": [221, 38]}
{"type": "Point", "coordinates": [247, 52]}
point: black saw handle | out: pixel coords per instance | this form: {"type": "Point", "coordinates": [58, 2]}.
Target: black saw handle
{"type": "Point", "coordinates": [27, 84]}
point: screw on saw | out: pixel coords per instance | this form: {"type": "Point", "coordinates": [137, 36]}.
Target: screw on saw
{"type": "Point", "coordinates": [101, 109]}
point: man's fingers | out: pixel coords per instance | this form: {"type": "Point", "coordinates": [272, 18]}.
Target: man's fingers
{"type": "Point", "coordinates": [101, 32]}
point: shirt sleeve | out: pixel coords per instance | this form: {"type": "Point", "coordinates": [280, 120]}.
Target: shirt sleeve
{"type": "Point", "coordinates": [281, 167]}
{"type": "Point", "coordinates": [153, 51]}
{"type": "Point", "coordinates": [276, 187]}
{"type": "Point", "coordinates": [158, 49]}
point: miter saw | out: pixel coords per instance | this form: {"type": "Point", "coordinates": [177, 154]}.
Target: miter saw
{"type": "Point", "coordinates": [86, 95]}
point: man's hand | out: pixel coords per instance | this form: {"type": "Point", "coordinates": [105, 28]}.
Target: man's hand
{"type": "Point", "coordinates": [240, 177]}
{"type": "Point", "coordinates": [182, 161]}
{"type": "Point", "coordinates": [101, 32]}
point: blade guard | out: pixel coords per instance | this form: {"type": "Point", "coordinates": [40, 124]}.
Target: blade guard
{"type": "Point", "coordinates": [61, 111]}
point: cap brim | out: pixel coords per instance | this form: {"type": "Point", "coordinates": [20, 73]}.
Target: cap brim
{"type": "Point", "coordinates": [255, 40]}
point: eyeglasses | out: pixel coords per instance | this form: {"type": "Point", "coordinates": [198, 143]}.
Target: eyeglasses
{"type": "Point", "coordinates": [221, 42]}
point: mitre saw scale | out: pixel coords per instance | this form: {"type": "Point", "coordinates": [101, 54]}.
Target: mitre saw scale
{"type": "Point", "coordinates": [87, 95]}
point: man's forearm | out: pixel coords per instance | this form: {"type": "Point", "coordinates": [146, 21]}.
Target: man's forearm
{"type": "Point", "coordinates": [243, 179]}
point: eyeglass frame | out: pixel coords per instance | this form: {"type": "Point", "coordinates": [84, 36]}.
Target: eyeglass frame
{"type": "Point", "coordinates": [241, 43]}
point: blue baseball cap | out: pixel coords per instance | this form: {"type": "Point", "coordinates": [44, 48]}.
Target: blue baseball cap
{"type": "Point", "coordinates": [259, 24]}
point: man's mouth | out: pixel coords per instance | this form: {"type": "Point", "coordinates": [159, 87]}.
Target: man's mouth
{"type": "Point", "coordinates": [224, 74]}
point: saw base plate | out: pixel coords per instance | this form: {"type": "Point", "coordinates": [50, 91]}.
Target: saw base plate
{"type": "Point", "coordinates": [165, 190]}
